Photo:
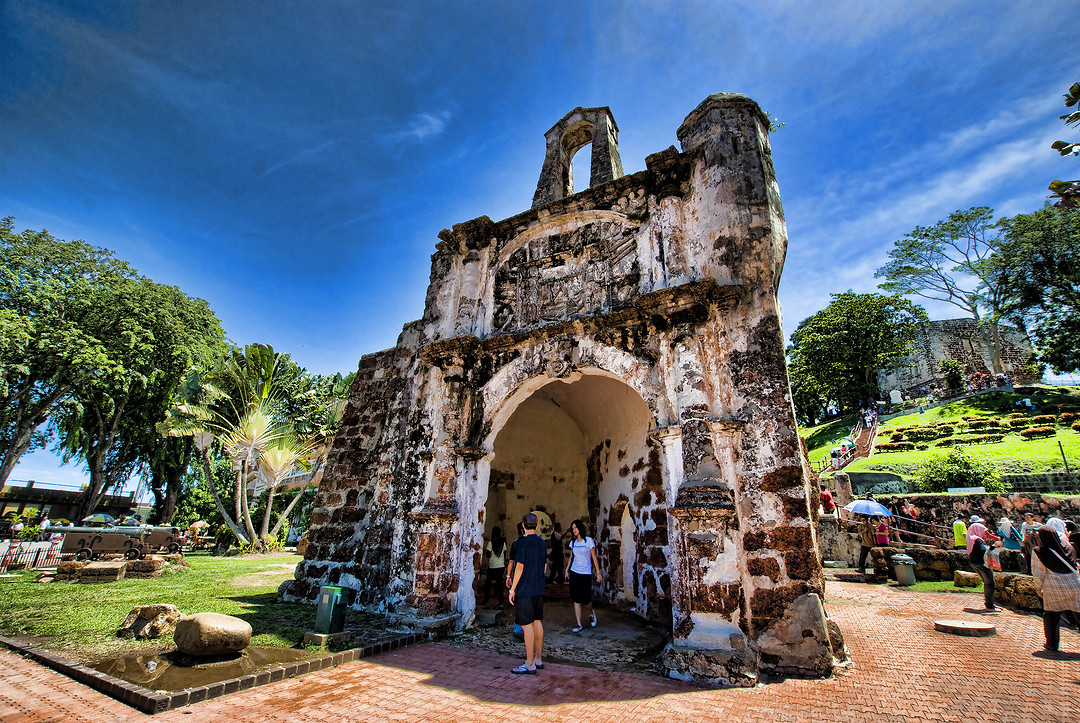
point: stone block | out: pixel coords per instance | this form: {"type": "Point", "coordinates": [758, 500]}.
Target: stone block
{"type": "Point", "coordinates": [150, 621]}
{"type": "Point", "coordinates": [103, 571]}
{"type": "Point", "coordinates": [204, 634]}
{"type": "Point", "coordinates": [799, 643]}
{"type": "Point", "coordinates": [966, 579]}
{"type": "Point", "coordinates": [1017, 590]}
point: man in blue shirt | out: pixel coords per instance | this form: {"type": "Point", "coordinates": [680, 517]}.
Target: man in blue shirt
{"type": "Point", "coordinates": [527, 594]}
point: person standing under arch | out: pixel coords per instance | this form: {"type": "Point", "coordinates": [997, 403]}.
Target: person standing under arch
{"type": "Point", "coordinates": [580, 569]}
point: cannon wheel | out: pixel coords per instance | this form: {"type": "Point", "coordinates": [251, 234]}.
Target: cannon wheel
{"type": "Point", "coordinates": [84, 554]}
{"type": "Point", "coordinates": [174, 548]}
{"type": "Point", "coordinates": [133, 554]}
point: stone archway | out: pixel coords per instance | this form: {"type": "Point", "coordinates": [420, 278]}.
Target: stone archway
{"type": "Point", "coordinates": [578, 448]}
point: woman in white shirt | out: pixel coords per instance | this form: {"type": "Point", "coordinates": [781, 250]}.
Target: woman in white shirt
{"type": "Point", "coordinates": [495, 552]}
{"type": "Point", "coordinates": [580, 569]}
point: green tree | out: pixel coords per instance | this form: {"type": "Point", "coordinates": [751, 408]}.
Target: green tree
{"type": "Point", "coordinates": [1068, 191]}
{"type": "Point", "coordinates": [1039, 263]}
{"type": "Point", "coordinates": [157, 332]}
{"type": "Point", "coordinates": [836, 353]}
{"type": "Point", "coordinates": [52, 330]}
{"type": "Point", "coordinates": [951, 261]}
{"type": "Point", "coordinates": [957, 468]}
{"type": "Point", "coordinates": [954, 373]}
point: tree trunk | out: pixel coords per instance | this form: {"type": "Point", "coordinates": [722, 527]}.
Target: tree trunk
{"type": "Point", "coordinates": [242, 491]}
{"type": "Point", "coordinates": [208, 473]}
{"type": "Point", "coordinates": [995, 341]}
{"type": "Point", "coordinates": [289, 509]}
{"type": "Point", "coordinates": [264, 528]}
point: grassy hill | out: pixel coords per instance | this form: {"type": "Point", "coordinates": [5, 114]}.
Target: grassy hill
{"type": "Point", "coordinates": [963, 423]}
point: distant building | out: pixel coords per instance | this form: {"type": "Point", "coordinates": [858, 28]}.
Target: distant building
{"type": "Point", "coordinates": [966, 342]}
{"type": "Point", "coordinates": [57, 503]}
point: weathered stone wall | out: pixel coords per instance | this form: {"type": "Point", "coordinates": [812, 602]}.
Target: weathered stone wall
{"type": "Point", "coordinates": [614, 354]}
{"type": "Point", "coordinates": [943, 509]}
{"type": "Point", "coordinates": [960, 339]}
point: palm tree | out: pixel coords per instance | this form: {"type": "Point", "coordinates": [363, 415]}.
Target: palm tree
{"type": "Point", "coordinates": [268, 415]}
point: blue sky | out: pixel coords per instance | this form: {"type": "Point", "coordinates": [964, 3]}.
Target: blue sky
{"type": "Point", "coordinates": [293, 162]}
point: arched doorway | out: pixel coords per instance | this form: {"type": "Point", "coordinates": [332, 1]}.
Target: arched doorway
{"type": "Point", "coordinates": [578, 448]}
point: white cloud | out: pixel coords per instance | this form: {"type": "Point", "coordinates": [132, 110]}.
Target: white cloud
{"type": "Point", "coordinates": [422, 126]}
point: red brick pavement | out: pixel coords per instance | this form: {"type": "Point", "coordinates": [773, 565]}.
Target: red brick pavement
{"type": "Point", "coordinates": [904, 671]}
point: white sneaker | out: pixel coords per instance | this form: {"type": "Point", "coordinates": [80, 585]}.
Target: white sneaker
{"type": "Point", "coordinates": [592, 619]}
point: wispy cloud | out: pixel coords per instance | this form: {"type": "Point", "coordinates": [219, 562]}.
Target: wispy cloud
{"type": "Point", "coordinates": [422, 127]}
{"type": "Point", "coordinates": [300, 157]}
{"type": "Point", "coordinates": [841, 235]}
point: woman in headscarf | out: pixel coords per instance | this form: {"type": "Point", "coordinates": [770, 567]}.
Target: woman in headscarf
{"type": "Point", "coordinates": [1056, 579]}
{"type": "Point", "coordinates": [1010, 538]}
{"type": "Point", "coordinates": [979, 541]}
{"type": "Point", "coordinates": [1058, 525]}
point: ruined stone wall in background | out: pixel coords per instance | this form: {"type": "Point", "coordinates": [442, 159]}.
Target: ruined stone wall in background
{"type": "Point", "coordinates": [966, 342]}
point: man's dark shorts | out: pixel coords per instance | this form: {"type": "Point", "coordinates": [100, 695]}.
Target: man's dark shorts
{"type": "Point", "coordinates": [528, 609]}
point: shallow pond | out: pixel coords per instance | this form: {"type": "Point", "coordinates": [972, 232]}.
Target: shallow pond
{"type": "Point", "coordinates": [172, 671]}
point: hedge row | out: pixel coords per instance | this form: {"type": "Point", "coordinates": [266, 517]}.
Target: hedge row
{"type": "Point", "coordinates": [981, 439]}
{"type": "Point", "coordinates": [1033, 432]}
{"type": "Point", "coordinates": [894, 447]}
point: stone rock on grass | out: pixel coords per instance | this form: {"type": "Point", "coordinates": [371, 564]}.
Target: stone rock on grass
{"type": "Point", "coordinates": [204, 634]}
{"type": "Point", "coordinates": [150, 621]}
{"type": "Point", "coordinates": [965, 579]}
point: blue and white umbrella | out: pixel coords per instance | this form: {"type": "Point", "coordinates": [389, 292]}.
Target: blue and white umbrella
{"type": "Point", "coordinates": [868, 507]}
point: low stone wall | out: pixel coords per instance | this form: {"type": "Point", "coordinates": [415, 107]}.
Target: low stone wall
{"type": "Point", "coordinates": [835, 544]}
{"type": "Point", "coordinates": [943, 508]}
{"type": "Point", "coordinates": [1058, 482]}
{"type": "Point", "coordinates": [935, 565]}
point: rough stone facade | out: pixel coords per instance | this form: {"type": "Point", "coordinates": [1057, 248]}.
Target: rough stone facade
{"type": "Point", "coordinates": [613, 355]}
{"type": "Point", "coordinates": [963, 340]}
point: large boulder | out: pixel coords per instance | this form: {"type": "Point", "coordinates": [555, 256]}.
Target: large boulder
{"type": "Point", "coordinates": [150, 621]}
{"type": "Point", "coordinates": [1017, 590]}
{"type": "Point", "coordinates": [211, 634]}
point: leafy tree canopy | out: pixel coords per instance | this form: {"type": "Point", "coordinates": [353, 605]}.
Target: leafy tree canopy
{"type": "Point", "coordinates": [835, 354]}
{"type": "Point", "coordinates": [1068, 191]}
{"type": "Point", "coordinates": [958, 468]}
{"type": "Point", "coordinates": [54, 330]}
{"type": "Point", "coordinates": [952, 261]}
{"type": "Point", "coordinates": [1039, 263]}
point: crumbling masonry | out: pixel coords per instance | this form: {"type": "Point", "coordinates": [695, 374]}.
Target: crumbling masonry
{"type": "Point", "coordinates": [613, 355]}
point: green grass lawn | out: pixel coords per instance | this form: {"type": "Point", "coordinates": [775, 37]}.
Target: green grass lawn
{"type": "Point", "coordinates": [1014, 454]}
{"type": "Point", "coordinates": [81, 620]}
{"type": "Point", "coordinates": [821, 438]}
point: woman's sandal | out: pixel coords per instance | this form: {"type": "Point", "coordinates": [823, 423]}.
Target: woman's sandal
{"type": "Point", "coordinates": [522, 670]}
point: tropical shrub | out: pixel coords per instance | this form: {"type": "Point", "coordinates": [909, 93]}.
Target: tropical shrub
{"type": "Point", "coordinates": [1068, 417]}
{"type": "Point", "coordinates": [1044, 419]}
{"type": "Point", "coordinates": [896, 436]}
{"type": "Point", "coordinates": [1034, 432]}
{"type": "Point", "coordinates": [1017, 423]}
{"type": "Point", "coordinates": [894, 447]}
{"type": "Point", "coordinates": [957, 468]}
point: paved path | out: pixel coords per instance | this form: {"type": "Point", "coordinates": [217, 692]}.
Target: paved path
{"type": "Point", "coordinates": [905, 671]}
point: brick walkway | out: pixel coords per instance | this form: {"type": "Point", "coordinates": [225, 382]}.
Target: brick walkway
{"type": "Point", "coordinates": [905, 671]}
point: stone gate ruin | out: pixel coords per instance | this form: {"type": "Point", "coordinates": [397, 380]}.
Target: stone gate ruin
{"type": "Point", "coordinates": [613, 355]}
